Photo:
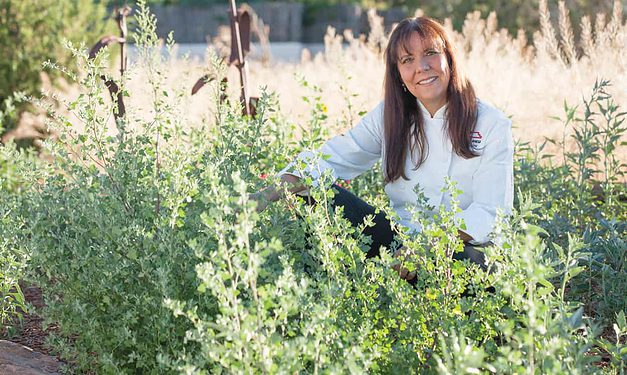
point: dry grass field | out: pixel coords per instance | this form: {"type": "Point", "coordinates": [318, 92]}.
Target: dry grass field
{"type": "Point", "coordinates": [528, 79]}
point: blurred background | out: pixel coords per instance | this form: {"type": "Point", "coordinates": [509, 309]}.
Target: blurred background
{"type": "Point", "coordinates": [306, 21]}
{"type": "Point", "coordinates": [524, 56]}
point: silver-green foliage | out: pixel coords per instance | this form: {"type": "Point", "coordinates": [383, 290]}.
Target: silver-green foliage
{"type": "Point", "coordinates": [31, 32]}
{"type": "Point", "coordinates": [153, 259]}
{"type": "Point", "coordinates": [583, 194]}
{"type": "Point", "coordinates": [16, 169]}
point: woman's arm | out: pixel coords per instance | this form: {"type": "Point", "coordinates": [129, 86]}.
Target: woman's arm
{"type": "Point", "coordinates": [347, 155]}
{"type": "Point", "coordinates": [492, 184]}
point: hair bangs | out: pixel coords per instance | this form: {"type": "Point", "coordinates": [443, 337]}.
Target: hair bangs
{"type": "Point", "coordinates": [405, 31]}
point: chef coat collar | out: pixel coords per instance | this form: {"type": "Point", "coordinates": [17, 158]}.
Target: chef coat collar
{"type": "Point", "coordinates": [439, 114]}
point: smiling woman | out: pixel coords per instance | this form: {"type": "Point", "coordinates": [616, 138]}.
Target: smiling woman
{"type": "Point", "coordinates": [430, 128]}
{"type": "Point", "coordinates": [425, 72]}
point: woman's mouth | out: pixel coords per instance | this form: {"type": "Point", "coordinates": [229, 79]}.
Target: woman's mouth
{"type": "Point", "coordinates": [427, 81]}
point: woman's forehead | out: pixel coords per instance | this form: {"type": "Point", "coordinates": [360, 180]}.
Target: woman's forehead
{"type": "Point", "coordinates": [417, 40]}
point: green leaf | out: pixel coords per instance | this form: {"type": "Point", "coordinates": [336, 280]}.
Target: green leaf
{"type": "Point", "coordinates": [202, 288]}
{"type": "Point", "coordinates": [545, 291]}
{"type": "Point", "coordinates": [576, 319]}
{"type": "Point", "coordinates": [620, 319]}
{"type": "Point", "coordinates": [572, 272]}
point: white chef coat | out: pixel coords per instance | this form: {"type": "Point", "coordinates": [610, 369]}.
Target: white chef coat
{"type": "Point", "coordinates": [486, 181]}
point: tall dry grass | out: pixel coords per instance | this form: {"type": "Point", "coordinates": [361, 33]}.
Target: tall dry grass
{"type": "Point", "coordinates": [528, 80]}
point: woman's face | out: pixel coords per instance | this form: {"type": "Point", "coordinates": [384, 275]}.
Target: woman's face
{"type": "Point", "coordinates": [425, 71]}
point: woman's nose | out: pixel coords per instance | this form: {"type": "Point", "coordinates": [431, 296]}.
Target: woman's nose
{"type": "Point", "coordinates": [422, 66]}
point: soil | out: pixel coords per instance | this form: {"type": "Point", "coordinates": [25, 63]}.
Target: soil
{"type": "Point", "coordinates": [30, 332]}
{"type": "Point", "coordinates": [23, 350]}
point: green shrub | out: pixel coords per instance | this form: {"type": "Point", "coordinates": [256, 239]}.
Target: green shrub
{"type": "Point", "coordinates": [112, 230]}
{"type": "Point", "coordinates": [153, 259]}
{"type": "Point", "coordinates": [31, 32]}
{"type": "Point", "coordinates": [584, 194]}
{"type": "Point", "coordinates": [11, 261]}
{"type": "Point", "coordinates": [17, 168]}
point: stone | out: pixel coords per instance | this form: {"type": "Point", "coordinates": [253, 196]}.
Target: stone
{"type": "Point", "coordinates": [16, 359]}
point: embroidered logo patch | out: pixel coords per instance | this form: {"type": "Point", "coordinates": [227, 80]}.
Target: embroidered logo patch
{"type": "Point", "coordinates": [476, 138]}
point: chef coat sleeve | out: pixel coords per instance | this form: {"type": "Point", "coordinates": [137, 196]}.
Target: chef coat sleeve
{"type": "Point", "coordinates": [347, 155]}
{"type": "Point", "coordinates": [492, 183]}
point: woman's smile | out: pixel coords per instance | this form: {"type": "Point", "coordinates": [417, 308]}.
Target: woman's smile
{"type": "Point", "coordinates": [424, 70]}
{"type": "Point", "coordinates": [427, 81]}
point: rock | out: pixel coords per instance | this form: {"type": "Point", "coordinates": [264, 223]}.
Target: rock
{"type": "Point", "coordinates": [16, 359]}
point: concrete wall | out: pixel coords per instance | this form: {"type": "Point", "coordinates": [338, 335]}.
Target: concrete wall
{"type": "Point", "coordinates": [195, 24]}
{"type": "Point", "coordinates": [289, 22]}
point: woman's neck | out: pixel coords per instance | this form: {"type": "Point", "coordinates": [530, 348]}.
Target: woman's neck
{"type": "Point", "coordinates": [431, 108]}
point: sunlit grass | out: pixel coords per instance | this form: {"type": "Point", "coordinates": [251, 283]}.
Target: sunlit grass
{"type": "Point", "coordinates": [528, 80]}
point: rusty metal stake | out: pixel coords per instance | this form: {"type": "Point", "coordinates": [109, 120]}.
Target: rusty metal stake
{"type": "Point", "coordinates": [121, 20]}
{"type": "Point", "coordinates": [240, 46]}
{"type": "Point", "coordinates": [114, 90]}
{"type": "Point", "coordinates": [241, 62]}
{"type": "Point", "coordinates": [121, 15]}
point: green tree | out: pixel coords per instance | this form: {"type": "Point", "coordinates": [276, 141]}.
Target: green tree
{"type": "Point", "coordinates": [31, 32]}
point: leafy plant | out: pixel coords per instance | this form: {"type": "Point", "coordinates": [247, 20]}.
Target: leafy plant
{"type": "Point", "coordinates": [31, 32]}
{"type": "Point", "coordinates": [17, 168]}
{"type": "Point", "coordinates": [616, 347]}
{"type": "Point", "coordinates": [152, 257]}
{"type": "Point", "coordinates": [580, 203]}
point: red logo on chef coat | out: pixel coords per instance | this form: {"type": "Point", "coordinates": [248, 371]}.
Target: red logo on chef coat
{"type": "Point", "coordinates": [476, 138]}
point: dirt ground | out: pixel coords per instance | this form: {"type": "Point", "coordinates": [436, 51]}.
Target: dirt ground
{"type": "Point", "coordinates": [30, 332]}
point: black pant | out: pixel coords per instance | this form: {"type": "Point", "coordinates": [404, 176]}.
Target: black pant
{"type": "Point", "coordinates": [355, 210]}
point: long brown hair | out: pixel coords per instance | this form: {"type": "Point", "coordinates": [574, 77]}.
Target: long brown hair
{"type": "Point", "coordinates": [401, 107]}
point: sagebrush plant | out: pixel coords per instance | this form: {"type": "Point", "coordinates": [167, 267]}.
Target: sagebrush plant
{"type": "Point", "coordinates": [153, 259]}
{"type": "Point", "coordinates": [112, 214]}
{"type": "Point", "coordinates": [18, 168]}
{"type": "Point", "coordinates": [587, 196]}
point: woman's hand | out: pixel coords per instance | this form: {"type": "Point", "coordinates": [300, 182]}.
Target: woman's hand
{"type": "Point", "coordinates": [264, 197]}
{"type": "Point", "coordinates": [464, 236]}
{"type": "Point", "coordinates": [262, 203]}
{"type": "Point", "coordinates": [273, 193]}
{"type": "Point", "coordinates": [404, 273]}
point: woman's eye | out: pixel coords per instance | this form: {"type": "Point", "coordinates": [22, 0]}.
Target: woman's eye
{"type": "Point", "coordinates": [406, 60]}
{"type": "Point", "coordinates": [431, 52]}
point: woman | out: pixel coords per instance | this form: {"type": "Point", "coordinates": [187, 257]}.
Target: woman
{"type": "Point", "coordinates": [430, 126]}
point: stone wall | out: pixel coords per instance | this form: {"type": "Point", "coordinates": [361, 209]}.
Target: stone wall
{"type": "Point", "coordinates": [289, 22]}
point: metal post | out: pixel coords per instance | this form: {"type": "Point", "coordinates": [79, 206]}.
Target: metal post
{"type": "Point", "coordinates": [241, 64]}
{"type": "Point", "coordinates": [121, 20]}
